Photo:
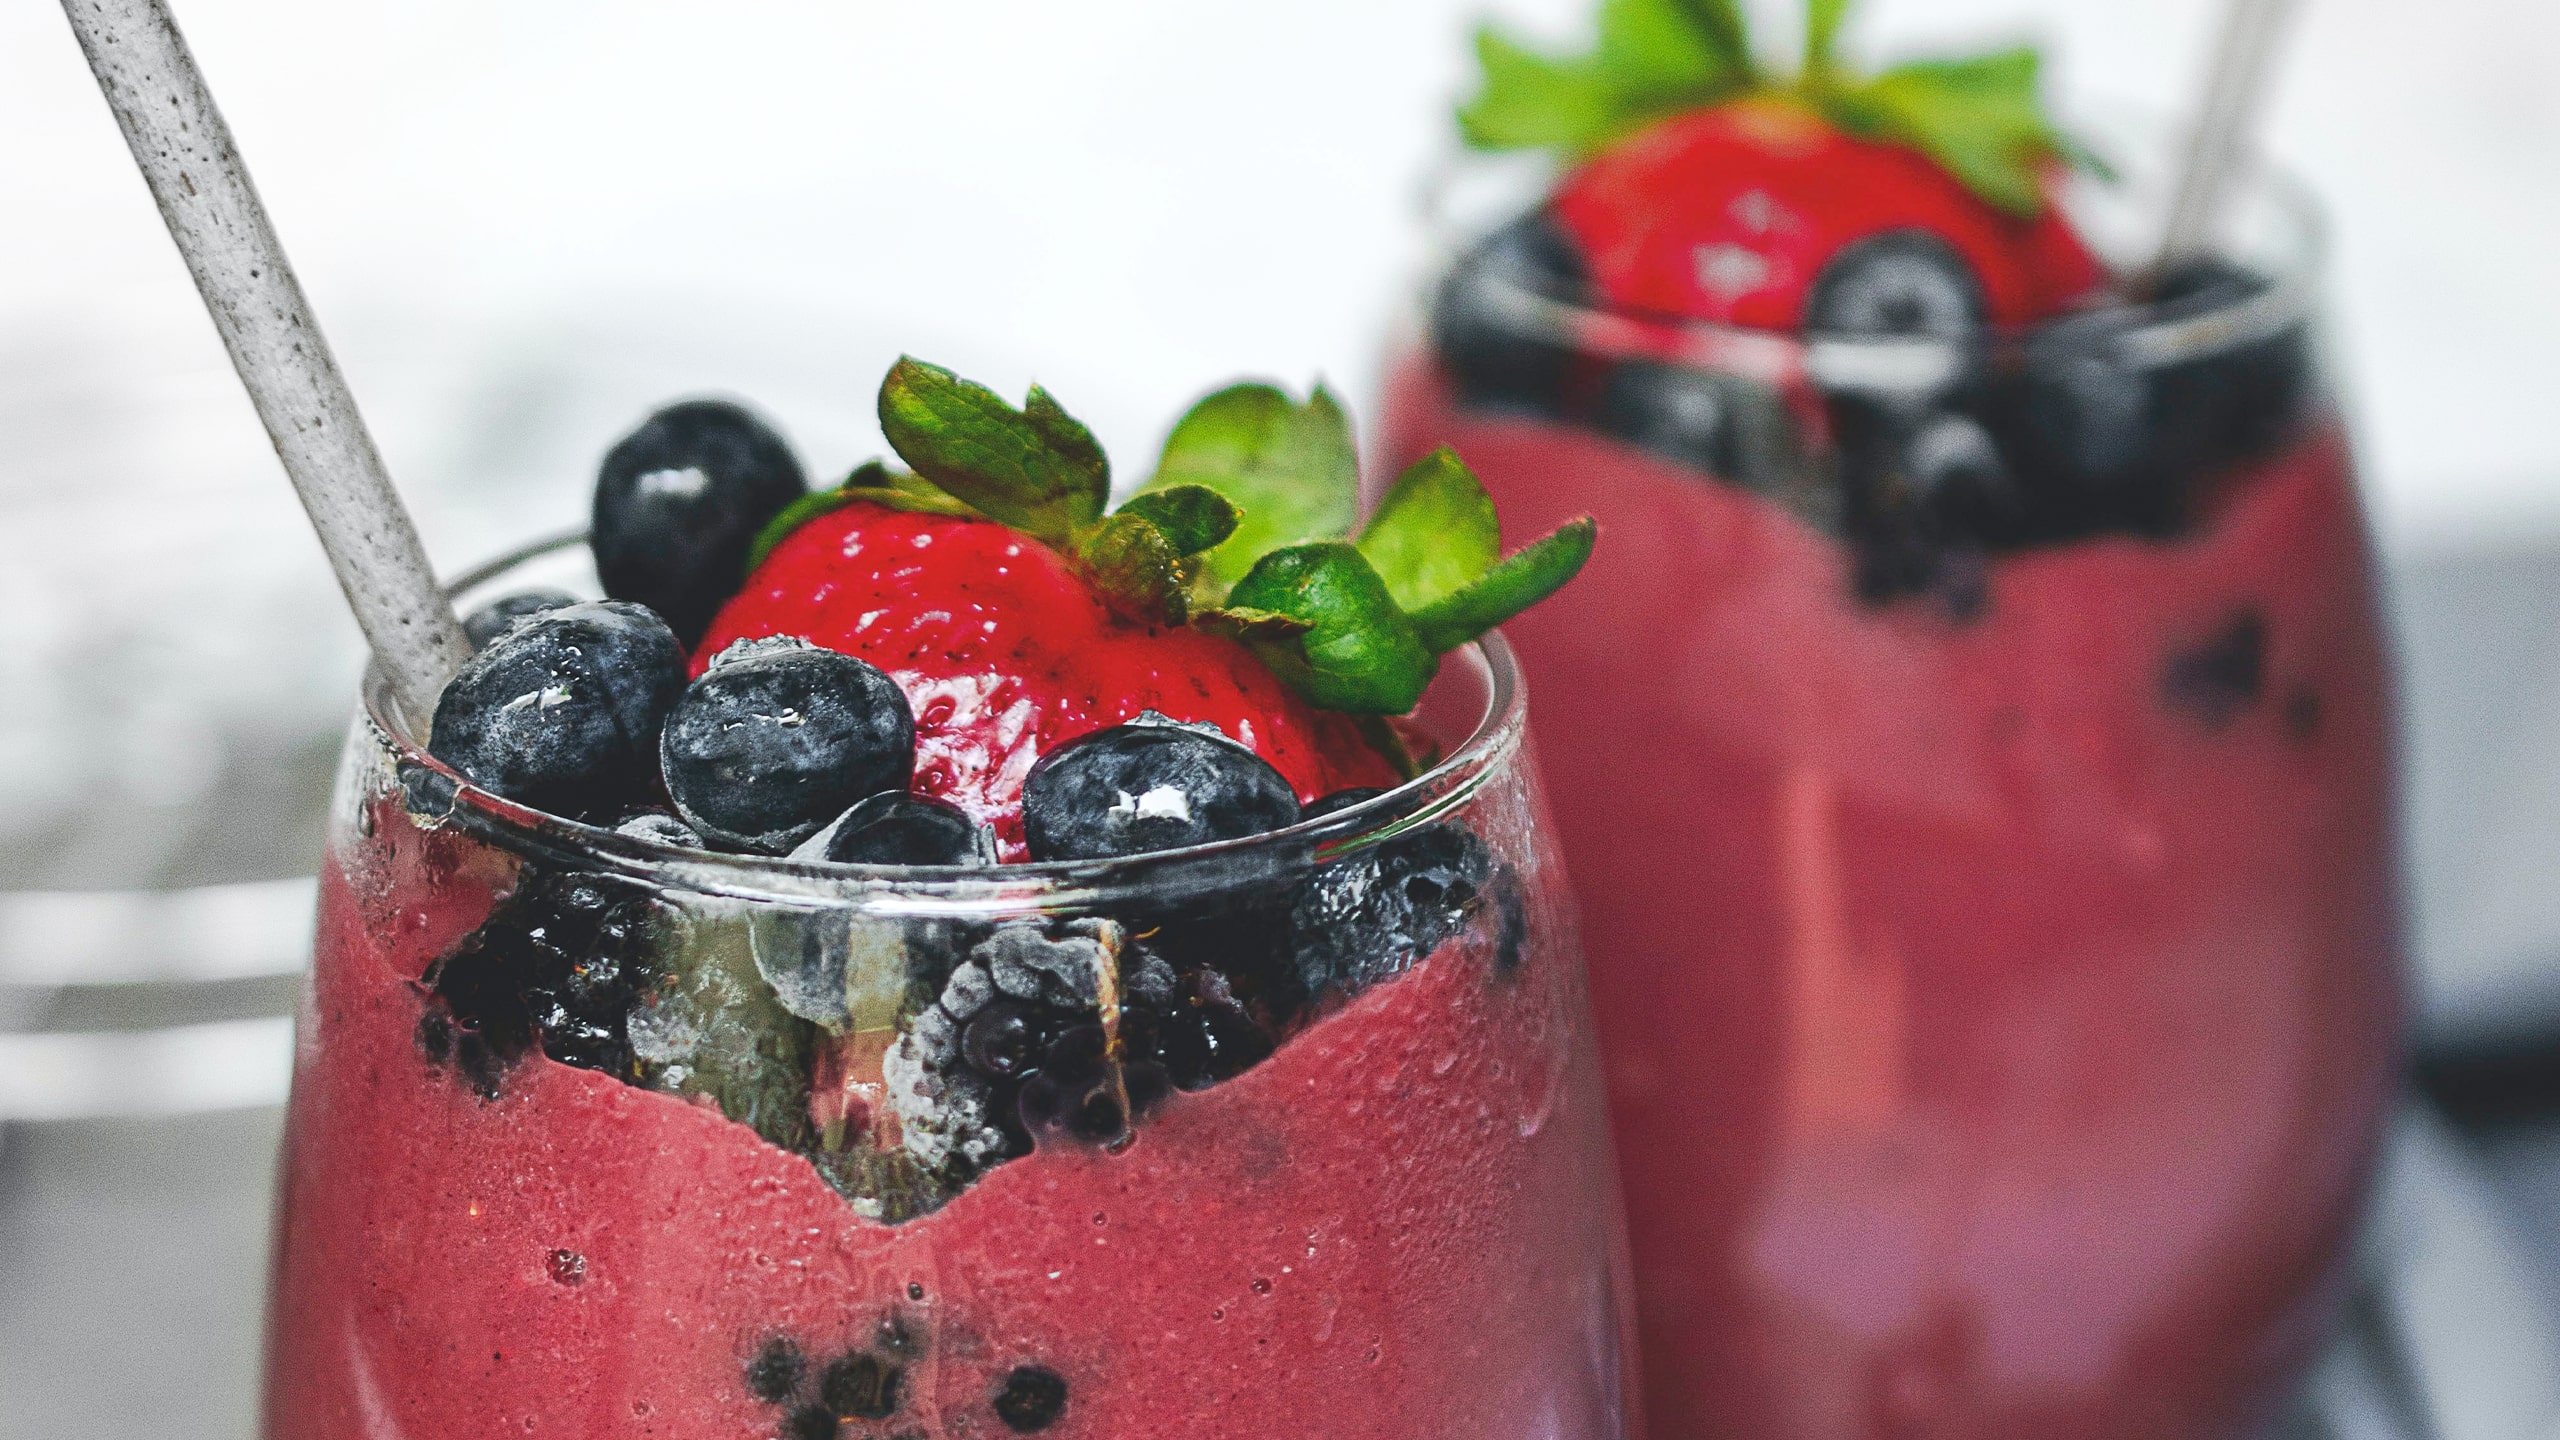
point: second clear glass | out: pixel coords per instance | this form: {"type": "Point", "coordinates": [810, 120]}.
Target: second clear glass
{"type": "Point", "coordinates": [1981, 806]}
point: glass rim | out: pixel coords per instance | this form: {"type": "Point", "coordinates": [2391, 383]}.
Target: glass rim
{"type": "Point", "coordinates": [941, 890]}
{"type": "Point", "coordinates": [2140, 334]}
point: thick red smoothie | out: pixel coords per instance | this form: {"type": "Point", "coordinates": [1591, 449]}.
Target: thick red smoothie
{"type": "Point", "coordinates": [1400, 1226]}
{"type": "Point", "coordinates": [1998, 1015]}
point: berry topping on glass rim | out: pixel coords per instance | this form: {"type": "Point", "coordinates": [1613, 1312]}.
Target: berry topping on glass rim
{"type": "Point", "coordinates": [1706, 186]}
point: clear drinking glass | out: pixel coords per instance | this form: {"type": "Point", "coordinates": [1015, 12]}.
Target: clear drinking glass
{"type": "Point", "coordinates": [1981, 808]}
{"type": "Point", "coordinates": [590, 1136]}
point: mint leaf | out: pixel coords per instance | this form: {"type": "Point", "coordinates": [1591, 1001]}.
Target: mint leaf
{"type": "Point", "coordinates": [1822, 33]}
{"type": "Point", "coordinates": [1982, 118]}
{"type": "Point", "coordinates": [1193, 518]}
{"type": "Point", "coordinates": [1720, 23]}
{"type": "Point", "coordinates": [1657, 56]}
{"type": "Point", "coordinates": [1654, 58]}
{"type": "Point", "coordinates": [1530, 102]}
{"type": "Point", "coordinates": [1131, 565]}
{"type": "Point", "coordinates": [1510, 587]}
{"type": "Point", "coordinates": [1357, 653]}
{"type": "Point", "coordinates": [1035, 469]}
{"type": "Point", "coordinates": [1434, 533]}
{"type": "Point", "coordinates": [1290, 470]}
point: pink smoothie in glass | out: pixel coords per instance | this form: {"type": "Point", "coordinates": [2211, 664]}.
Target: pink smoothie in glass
{"type": "Point", "coordinates": [1399, 1225]}
{"type": "Point", "coordinates": [1999, 1009]}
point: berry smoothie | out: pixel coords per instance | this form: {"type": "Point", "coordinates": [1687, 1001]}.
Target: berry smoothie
{"type": "Point", "coordinates": [1980, 800]}
{"type": "Point", "coordinates": [736, 1088]}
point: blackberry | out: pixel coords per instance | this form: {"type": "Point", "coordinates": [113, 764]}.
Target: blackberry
{"type": "Point", "coordinates": [678, 504]}
{"type": "Point", "coordinates": [1377, 911]}
{"type": "Point", "coordinates": [562, 960]}
{"type": "Point", "coordinates": [1014, 1047]}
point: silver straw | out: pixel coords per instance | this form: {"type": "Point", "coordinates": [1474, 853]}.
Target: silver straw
{"type": "Point", "coordinates": [2233, 94]}
{"type": "Point", "coordinates": [195, 172]}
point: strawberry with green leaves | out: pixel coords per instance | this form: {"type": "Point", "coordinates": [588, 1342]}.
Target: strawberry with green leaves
{"type": "Point", "coordinates": [1708, 187]}
{"type": "Point", "coordinates": [1018, 611]}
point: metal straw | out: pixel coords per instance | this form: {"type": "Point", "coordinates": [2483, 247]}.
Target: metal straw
{"type": "Point", "coordinates": [2233, 94]}
{"type": "Point", "coordinates": [186, 153]}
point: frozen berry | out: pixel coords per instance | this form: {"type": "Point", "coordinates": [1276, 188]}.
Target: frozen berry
{"type": "Point", "coordinates": [778, 737]}
{"type": "Point", "coordinates": [678, 504]}
{"type": "Point", "coordinates": [1207, 1036]}
{"type": "Point", "coordinates": [1031, 1399]}
{"type": "Point", "coordinates": [903, 829]}
{"type": "Point", "coordinates": [775, 1371]}
{"type": "Point", "coordinates": [1379, 910]}
{"type": "Point", "coordinates": [1489, 324]}
{"type": "Point", "coordinates": [1149, 785]}
{"type": "Point", "coordinates": [861, 1386]}
{"type": "Point", "coordinates": [562, 711]}
{"type": "Point", "coordinates": [1006, 1039]}
{"type": "Point", "coordinates": [491, 620]}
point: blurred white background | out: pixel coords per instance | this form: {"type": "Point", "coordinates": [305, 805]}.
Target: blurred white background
{"type": "Point", "coordinates": [1127, 198]}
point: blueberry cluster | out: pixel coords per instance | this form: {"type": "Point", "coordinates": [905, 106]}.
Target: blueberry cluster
{"type": "Point", "coordinates": [1936, 457]}
{"type": "Point", "coordinates": [861, 1387]}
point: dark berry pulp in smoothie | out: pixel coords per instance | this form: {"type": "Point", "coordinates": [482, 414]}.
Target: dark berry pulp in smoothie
{"type": "Point", "coordinates": [1999, 1003]}
{"type": "Point", "coordinates": [1398, 1225]}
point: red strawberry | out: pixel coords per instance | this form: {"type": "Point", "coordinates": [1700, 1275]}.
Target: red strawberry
{"type": "Point", "coordinates": [1729, 215]}
{"type": "Point", "coordinates": [1005, 652]}
{"type": "Point", "coordinates": [1711, 189]}
{"type": "Point", "coordinates": [1018, 614]}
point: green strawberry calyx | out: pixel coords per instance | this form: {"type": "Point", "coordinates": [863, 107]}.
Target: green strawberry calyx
{"type": "Point", "coordinates": [1246, 529]}
{"type": "Point", "coordinates": [1982, 117]}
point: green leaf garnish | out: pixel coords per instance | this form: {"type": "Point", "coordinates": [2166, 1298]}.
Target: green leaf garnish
{"type": "Point", "coordinates": [1654, 58]}
{"type": "Point", "coordinates": [1290, 469]}
{"type": "Point", "coordinates": [1981, 118]}
{"type": "Point", "coordinates": [1241, 532]}
{"type": "Point", "coordinates": [1194, 518]}
{"type": "Point", "coordinates": [1822, 33]}
{"type": "Point", "coordinates": [1510, 587]}
{"type": "Point", "coordinates": [1357, 651]}
{"type": "Point", "coordinates": [1434, 533]}
{"type": "Point", "coordinates": [1036, 469]}
{"type": "Point", "coordinates": [1133, 567]}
